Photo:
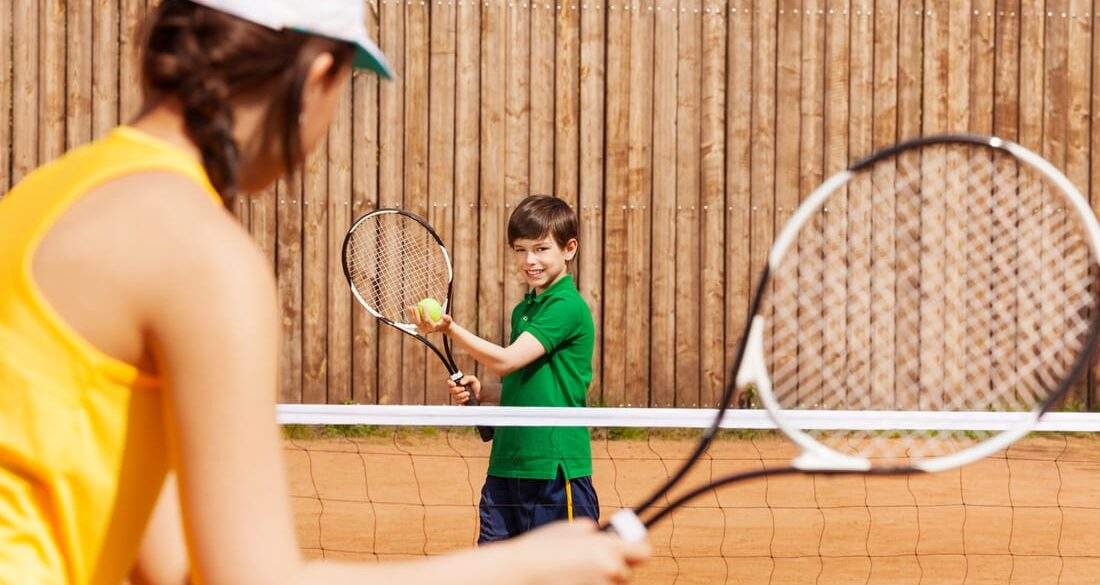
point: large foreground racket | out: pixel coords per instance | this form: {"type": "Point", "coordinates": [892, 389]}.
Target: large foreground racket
{"type": "Point", "coordinates": [952, 274]}
{"type": "Point", "coordinates": [393, 259]}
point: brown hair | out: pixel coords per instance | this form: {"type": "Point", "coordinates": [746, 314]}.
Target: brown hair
{"type": "Point", "coordinates": [207, 59]}
{"type": "Point", "coordinates": [539, 215]}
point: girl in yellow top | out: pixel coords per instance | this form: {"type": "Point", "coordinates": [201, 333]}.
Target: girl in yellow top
{"type": "Point", "coordinates": [138, 329]}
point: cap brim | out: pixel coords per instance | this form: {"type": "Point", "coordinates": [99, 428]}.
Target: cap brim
{"type": "Point", "coordinates": [369, 56]}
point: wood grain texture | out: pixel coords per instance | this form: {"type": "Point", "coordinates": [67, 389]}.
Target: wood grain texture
{"type": "Point", "coordinates": [713, 177]}
{"type": "Point", "coordinates": [682, 131]}
{"type": "Point", "coordinates": [591, 185]}
{"type": "Point", "coordinates": [25, 83]}
{"type": "Point", "coordinates": [7, 21]}
{"type": "Point", "coordinates": [662, 312]}
{"type": "Point", "coordinates": [615, 203]}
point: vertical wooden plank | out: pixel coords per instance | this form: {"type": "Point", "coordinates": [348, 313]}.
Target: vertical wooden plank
{"type": "Point", "coordinates": [541, 91]}
{"type": "Point", "coordinates": [6, 43]}
{"type": "Point", "coordinates": [662, 353]}
{"type": "Point", "coordinates": [854, 109]}
{"type": "Point", "coordinates": [1005, 123]}
{"type": "Point", "coordinates": [567, 104]}
{"type": "Point", "coordinates": [132, 13]}
{"type": "Point", "coordinates": [847, 46]}
{"type": "Point", "coordinates": [789, 47]}
{"type": "Point", "coordinates": [25, 70]}
{"type": "Point", "coordinates": [962, 215]}
{"type": "Point", "coordinates": [1007, 72]}
{"type": "Point", "coordinates": [262, 218]}
{"type": "Point", "coordinates": [391, 140]}
{"type": "Point", "coordinates": [1095, 167]}
{"type": "Point", "coordinates": [78, 81]}
{"type": "Point", "coordinates": [1055, 122]}
{"type": "Point", "coordinates": [815, 19]}
{"type": "Point", "coordinates": [414, 354]}
{"type": "Point", "coordinates": [339, 220]}
{"type": "Point", "coordinates": [933, 316]}
{"type": "Point", "coordinates": [982, 61]}
{"type": "Point", "coordinates": [763, 133]}
{"type": "Point", "coordinates": [288, 273]}
{"type": "Point", "coordinates": [364, 136]}
{"type": "Point", "coordinates": [51, 110]}
{"type": "Point", "coordinates": [1078, 87]}
{"type": "Point", "coordinates": [467, 148]}
{"type": "Point", "coordinates": [739, 154]}
{"type": "Point", "coordinates": [712, 163]}
{"type": "Point", "coordinates": [869, 245]}
{"type": "Point", "coordinates": [493, 146]}
{"type": "Point", "coordinates": [519, 132]}
{"type": "Point", "coordinates": [1053, 132]}
{"type": "Point", "coordinates": [1094, 395]}
{"type": "Point", "coordinates": [617, 177]}
{"type": "Point", "coordinates": [909, 91]}
{"type": "Point", "coordinates": [441, 156]}
{"type": "Point", "coordinates": [315, 278]}
{"type": "Point", "coordinates": [1032, 47]}
{"type": "Point", "coordinates": [639, 198]}
{"type": "Point", "coordinates": [688, 171]}
{"type": "Point", "coordinates": [104, 66]}
{"type": "Point", "coordinates": [884, 132]}
{"type": "Point", "coordinates": [590, 266]}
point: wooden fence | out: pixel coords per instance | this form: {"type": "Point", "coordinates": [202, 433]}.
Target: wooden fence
{"type": "Point", "coordinates": [683, 132]}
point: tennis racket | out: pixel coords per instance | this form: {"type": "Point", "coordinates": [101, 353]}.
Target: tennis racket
{"type": "Point", "coordinates": [953, 274]}
{"type": "Point", "coordinates": [393, 259]}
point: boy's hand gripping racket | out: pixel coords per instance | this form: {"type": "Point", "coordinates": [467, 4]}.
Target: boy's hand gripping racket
{"type": "Point", "coordinates": [393, 259]}
{"type": "Point", "coordinates": [953, 274]}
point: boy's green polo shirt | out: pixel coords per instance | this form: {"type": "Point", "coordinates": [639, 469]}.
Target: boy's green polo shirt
{"type": "Point", "coordinates": [559, 318]}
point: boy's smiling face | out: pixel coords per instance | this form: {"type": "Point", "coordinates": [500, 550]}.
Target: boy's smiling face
{"type": "Point", "coordinates": [542, 262]}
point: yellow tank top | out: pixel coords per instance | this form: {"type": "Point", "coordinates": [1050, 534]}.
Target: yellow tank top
{"type": "Point", "coordinates": [82, 449]}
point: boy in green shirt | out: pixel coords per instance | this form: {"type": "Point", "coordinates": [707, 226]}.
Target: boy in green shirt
{"type": "Point", "coordinates": [536, 474]}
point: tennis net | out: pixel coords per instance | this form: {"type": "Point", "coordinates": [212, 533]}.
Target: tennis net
{"type": "Point", "coordinates": [396, 482]}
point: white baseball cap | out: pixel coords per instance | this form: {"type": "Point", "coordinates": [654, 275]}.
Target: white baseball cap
{"type": "Point", "coordinates": [343, 20]}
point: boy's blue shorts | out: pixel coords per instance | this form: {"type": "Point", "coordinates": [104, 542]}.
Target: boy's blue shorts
{"type": "Point", "coordinates": [511, 506]}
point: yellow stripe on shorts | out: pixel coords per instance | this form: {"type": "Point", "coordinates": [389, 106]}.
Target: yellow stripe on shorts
{"type": "Point", "coordinates": [568, 501]}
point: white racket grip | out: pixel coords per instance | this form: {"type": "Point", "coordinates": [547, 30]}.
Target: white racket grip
{"type": "Point", "coordinates": [628, 526]}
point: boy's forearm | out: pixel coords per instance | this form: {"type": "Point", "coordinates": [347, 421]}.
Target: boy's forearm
{"type": "Point", "coordinates": [485, 352]}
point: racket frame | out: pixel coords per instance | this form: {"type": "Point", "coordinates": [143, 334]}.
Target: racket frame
{"type": "Point", "coordinates": [446, 355]}
{"type": "Point", "coordinates": [750, 367]}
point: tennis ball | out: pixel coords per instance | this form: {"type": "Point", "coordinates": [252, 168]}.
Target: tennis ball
{"type": "Point", "coordinates": [430, 309]}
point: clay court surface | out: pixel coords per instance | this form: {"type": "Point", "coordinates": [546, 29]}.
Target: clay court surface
{"type": "Point", "coordinates": [1028, 516]}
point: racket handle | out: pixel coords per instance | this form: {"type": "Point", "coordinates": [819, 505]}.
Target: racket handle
{"type": "Point", "coordinates": [627, 525]}
{"type": "Point", "coordinates": [485, 432]}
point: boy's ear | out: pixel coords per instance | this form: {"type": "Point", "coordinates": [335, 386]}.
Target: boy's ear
{"type": "Point", "coordinates": [570, 249]}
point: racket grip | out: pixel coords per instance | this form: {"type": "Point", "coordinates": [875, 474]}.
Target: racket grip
{"type": "Point", "coordinates": [486, 433]}
{"type": "Point", "coordinates": [627, 525]}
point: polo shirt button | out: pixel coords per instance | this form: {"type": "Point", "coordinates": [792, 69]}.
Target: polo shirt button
{"type": "Point", "coordinates": [525, 317]}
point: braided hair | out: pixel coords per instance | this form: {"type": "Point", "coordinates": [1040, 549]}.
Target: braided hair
{"type": "Point", "coordinates": [207, 60]}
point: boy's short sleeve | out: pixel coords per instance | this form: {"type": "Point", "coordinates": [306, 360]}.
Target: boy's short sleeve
{"type": "Point", "coordinates": [557, 321]}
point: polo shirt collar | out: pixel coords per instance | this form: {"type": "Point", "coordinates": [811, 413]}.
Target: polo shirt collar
{"type": "Point", "coordinates": [554, 289]}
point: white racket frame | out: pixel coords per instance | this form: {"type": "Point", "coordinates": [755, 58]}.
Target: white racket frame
{"type": "Point", "coordinates": [816, 456]}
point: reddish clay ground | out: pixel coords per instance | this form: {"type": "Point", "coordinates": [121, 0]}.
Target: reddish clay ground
{"type": "Point", "coordinates": [1029, 516]}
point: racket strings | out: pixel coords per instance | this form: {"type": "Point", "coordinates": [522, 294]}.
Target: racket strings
{"type": "Point", "coordinates": [393, 263]}
{"type": "Point", "coordinates": [950, 279]}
